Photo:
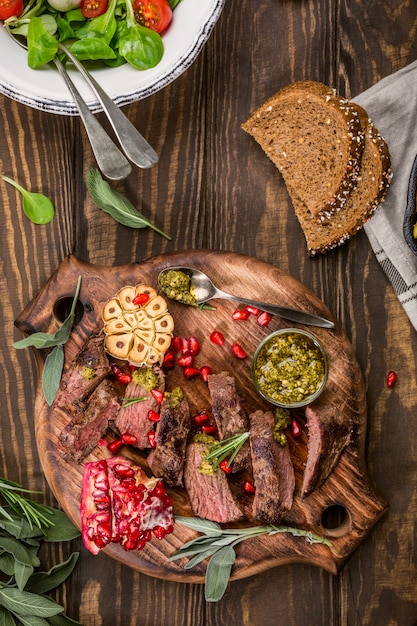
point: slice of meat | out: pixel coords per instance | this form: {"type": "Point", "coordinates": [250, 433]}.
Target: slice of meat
{"type": "Point", "coordinates": [210, 495]}
{"type": "Point", "coordinates": [89, 421]}
{"type": "Point", "coordinates": [272, 468]}
{"type": "Point", "coordinates": [83, 375]}
{"type": "Point", "coordinates": [231, 418]}
{"type": "Point", "coordinates": [133, 418]}
{"type": "Point", "coordinates": [167, 459]}
{"type": "Point", "coordinates": [329, 432]}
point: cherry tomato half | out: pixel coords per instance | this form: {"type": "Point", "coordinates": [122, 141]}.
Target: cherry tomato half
{"type": "Point", "coordinates": [10, 8]}
{"type": "Point", "coordinates": [154, 14]}
{"type": "Point", "coordinates": [93, 8]}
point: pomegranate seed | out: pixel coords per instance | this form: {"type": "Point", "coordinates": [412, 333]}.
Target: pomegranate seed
{"type": "Point", "coordinates": [240, 314]}
{"type": "Point", "coordinates": [158, 395]}
{"type": "Point", "coordinates": [129, 440]}
{"type": "Point", "coordinates": [224, 465]}
{"type": "Point", "coordinates": [217, 337]}
{"type": "Point", "coordinates": [264, 318]}
{"type": "Point", "coordinates": [194, 345]}
{"type": "Point", "coordinates": [153, 416]}
{"type": "Point", "coordinates": [124, 378]}
{"type": "Point", "coordinates": [185, 360]}
{"type": "Point", "coordinates": [168, 360]}
{"type": "Point", "coordinates": [115, 446]}
{"type": "Point", "coordinates": [200, 419]}
{"type": "Point", "coordinates": [253, 310]}
{"type": "Point", "coordinates": [116, 370]}
{"type": "Point", "coordinates": [185, 346]}
{"type": "Point", "coordinates": [141, 298]}
{"type": "Point", "coordinates": [123, 471]}
{"type": "Point", "coordinates": [391, 379]}
{"type": "Point", "coordinates": [205, 372]}
{"type": "Point", "coordinates": [152, 438]}
{"type": "Point", "coordinates": [159, 532]}
{"type": "Point", "coordinates": [248, 486]}
{"type": "Point", "coordinates": [191, 372]}
{"type": "Point", "coordinates": [238, 351]}
{"type": "Point", "coordinates": [176, 343]}
{"type": "Point", "coordinates": [208, 429]}
{"type": "Point", "coordinates": [295, 428]}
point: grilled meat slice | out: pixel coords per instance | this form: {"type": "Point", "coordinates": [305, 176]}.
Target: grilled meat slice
{"type": "Point", "coordinates": [167, 459]}
{"type": "Point", "coordinates": [273, 471]}
{"type": "Point", "coordinates": [231, 418]}
{"type": "Point", "coordinates": [133, 419]}
{"type": "Point", "coordinates": [89, 421]}
{"type": "Point", "coordinates": [83, 375]}
{"type": "Point", "coordinates": [329, 432]}
{"type": "Point", "coordinates": [210, 495]}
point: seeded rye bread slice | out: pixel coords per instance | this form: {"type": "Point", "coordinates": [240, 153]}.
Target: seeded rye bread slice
{"type": "Point", "coordinates": [370, 191]}
{"type": "Point", "coordinates": [315, 139]}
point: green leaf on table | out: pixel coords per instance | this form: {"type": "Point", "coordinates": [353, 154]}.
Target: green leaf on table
{"type": "Point", "coordinates": [52, 372]}
{"type": "Point", "coordinates": [218, 573]}
{"type": "Point", "coordinates": [116, 204]}
{"type": "Point", "coordinates": [211, 529]}
{"type": "Point", "coordinates": [25, 603]}
{"type": "Point", "coordinates": [61, 527]}
{"type": "Point", "coordinates": [22, 573]}
{"type": "Point", "coordinates": [37, 207]}
{"type": "Point", "coordinates": [42, 582]}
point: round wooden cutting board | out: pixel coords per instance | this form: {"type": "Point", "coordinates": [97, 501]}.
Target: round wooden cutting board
{"type": "Point", "coordinates": [348, 490]}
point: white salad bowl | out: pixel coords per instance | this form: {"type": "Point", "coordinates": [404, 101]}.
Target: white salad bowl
{"type": "Point", "coordinates": [44, 89]}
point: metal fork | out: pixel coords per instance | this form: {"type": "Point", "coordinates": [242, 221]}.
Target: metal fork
{"type": "Point", "coordinates": [110, 160]}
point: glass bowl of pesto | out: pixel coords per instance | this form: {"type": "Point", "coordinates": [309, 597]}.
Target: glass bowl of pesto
{"type": "Point", "coordinates": [290, 368]}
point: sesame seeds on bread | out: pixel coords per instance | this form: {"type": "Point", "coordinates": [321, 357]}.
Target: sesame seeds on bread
{"type": "Point", "coordinates": [335, 164]}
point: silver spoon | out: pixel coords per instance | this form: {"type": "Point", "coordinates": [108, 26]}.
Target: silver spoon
{"type": "Point", "coordinates": [203, 290]}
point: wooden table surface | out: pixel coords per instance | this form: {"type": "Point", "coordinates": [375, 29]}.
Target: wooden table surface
{"type": "Point", "coordinates": [213, 188]}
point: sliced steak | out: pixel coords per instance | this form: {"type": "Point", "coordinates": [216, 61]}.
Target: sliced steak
{"type": "Point", "coordinates": [76, 383]}
{"type": "Point", "coordinates": [133, 419]}
{"type": "Point", "coordinates": [231, 419]}
{"type": "Point", "coordinates": [329, 432]}
{"type": "Point", "coordinates": [167, 459]}
{"type": "Point", "coordinates": [89, 421]}
{"type": "Point", "coordinates": [210, 495]}
{"type": "Point", "coordinates": [273, 471]}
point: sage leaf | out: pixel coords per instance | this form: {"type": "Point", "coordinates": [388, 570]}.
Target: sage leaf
{"type": "Point", "coordinates": [6, 618]}
{"type": "Point", "coordinates": [52, 372]}
{"type": "Point", "coordinates": [6, 564]}
{"type": "Point", "coordinates": [19, 551]}
{"type": "Point", "coordinates": [22, 573]}
{"type": "Point", "coordinates": [61, 528]}
{"type": "Point", "coordinates": [62, 620]}
{"type": "Point", "coordinates": [211, 529]}
{"type": "Point", "coordinates": [200, 557]}
{"type": "Point", "coordinates": [25, 603]}
{"type": "Point", "coordinates": [218, 573]}
{"type": "Point", "coordinates": [42, 582]}
{"type": "Point", "coordinates": [32, 620]}
{"type": "Point", "coordinates": [37, 207]}
{"type": "Point", "coordinates": [116, 204]}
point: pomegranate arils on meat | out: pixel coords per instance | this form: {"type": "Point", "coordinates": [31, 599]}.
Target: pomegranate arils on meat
{"type": "Point", "coordinates": [152, 438]}
{"type": "Point", "coordinates": [238, 351]}
{"type": "Point", "coordinates": [224, 465]}
{"type": "Point", "coordinates": [248, 486]}
{"type": "Point", "coordinates": [295, 428]}
{"type": "Point", "coordinates": [217, 337]}
{"type": "Point", "coordinates": [200, 419]}
{"type": "Point", "coordinates": [129, 440]}
{"type": "Point", "coordinates": [120, 504]}
{"type": "Point", "coordinates": [209, 429]}
{"type": "Point", "coordinates": [158, 395]}
{"type": "Point", "coordinates": [153, 416]}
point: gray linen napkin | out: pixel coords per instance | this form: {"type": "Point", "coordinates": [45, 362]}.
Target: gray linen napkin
{"type": "Point", "coordinates": [392, 105]}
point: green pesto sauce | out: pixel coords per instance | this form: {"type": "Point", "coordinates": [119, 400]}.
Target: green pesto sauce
{"type": "Point", "coordinates": [206, 468]}
{"type": "Point", "coordinates": [177, 286]}
{"type": "Point", "coordinates": [146, 378]}
{"type": "Point", "coordinates": [289, 368]}
{"type": "Point", "coordinates": [88, 373]}
{"type": "Point", "coordinates": [176, 396]}
{"type": "Point", "coordinates": [282, 421]}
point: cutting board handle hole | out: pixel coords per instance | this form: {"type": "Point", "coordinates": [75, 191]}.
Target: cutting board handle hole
{"type": "Point", "coordinates": [62, 308]}
{"type": "Point", "coordinates": [336, 520]}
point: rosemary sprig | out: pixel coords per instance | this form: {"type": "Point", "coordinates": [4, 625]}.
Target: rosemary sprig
{"type": "Point", "coordinates": [35, 514]}
{"type": "Point", "coordinates": [130, 401]}
{"type": "Point", "coordinates": [225, 449]}
{"type": "Point", "coordinates": [218, 544]}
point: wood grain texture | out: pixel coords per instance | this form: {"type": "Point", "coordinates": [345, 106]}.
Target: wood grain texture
{"type": "Point", "coordinates": [213, 188]}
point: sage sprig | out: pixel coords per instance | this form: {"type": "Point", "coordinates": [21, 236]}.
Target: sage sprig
{"type": "Point", "coordinates": [217, 544]}
{"type": "Point", "coordinates": [54, 362]}
{"type": "Point", "coordinates": [225, 449]}
{"type": "Point", "coordinates": [116, 204]}
{"type": "Point", "coordinates": [24, 525]}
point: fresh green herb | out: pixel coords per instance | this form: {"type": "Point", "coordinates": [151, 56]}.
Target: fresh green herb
{"type": "Point", "coordinates": [54, 362]}
{"type": "Point", "coordinates": [42, 45]}
{"type": "Point", "coordinates": [130, 401]}
{"type": "Point", "coordinates": [140, 46]}
{"type": "Point", "coordinates": [218, 544]}
{"type": "Point", "coordinates": [37, 207]}
{"type": "Point", "coordinates": [225, 449]}
{"type": "Point", "coordinates": [116, 204]}
{"type": "Point", "coordinates": [24, 525]}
